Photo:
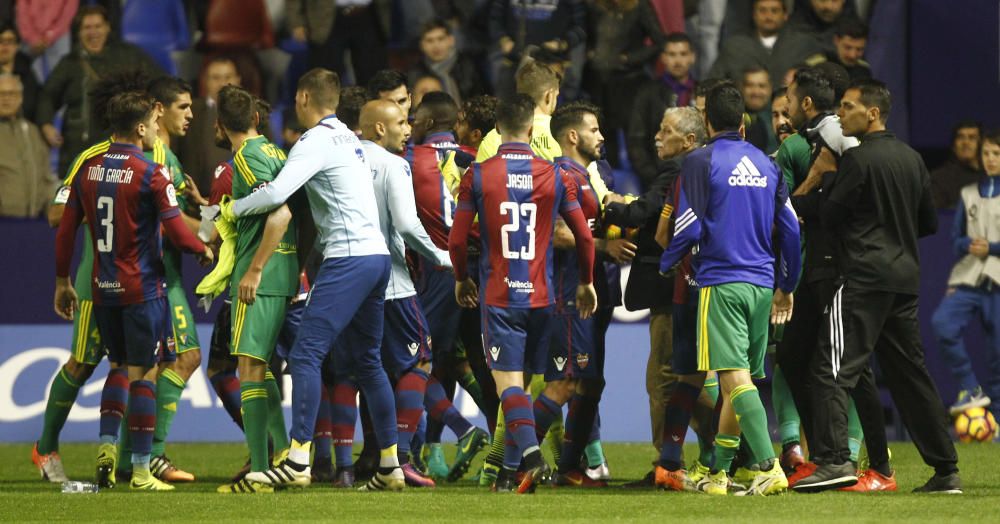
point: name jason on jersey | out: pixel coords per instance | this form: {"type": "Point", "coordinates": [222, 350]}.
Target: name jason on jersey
{"type": "Point", "coordinates": [520, 181]}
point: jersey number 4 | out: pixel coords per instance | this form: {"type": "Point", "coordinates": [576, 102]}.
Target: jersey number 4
{"type": "Point", "coordinates": [516, 211]}
{"type": "Point", "coordinates": [106, 204]}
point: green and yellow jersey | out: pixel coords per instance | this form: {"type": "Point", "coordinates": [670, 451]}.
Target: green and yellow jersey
{"type": "Point", "coordinates": [256, 163]}
{"type": "Point", "coordinates": [542, 142]}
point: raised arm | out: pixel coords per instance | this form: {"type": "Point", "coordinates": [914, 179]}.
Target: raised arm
{"type": "Point", "coordinates": [304, 161]}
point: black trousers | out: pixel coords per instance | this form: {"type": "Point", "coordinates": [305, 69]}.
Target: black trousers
{"type": "Point", "coordinates": [860, 322]}
{"type": "Point", "coordinates": [356, 31]}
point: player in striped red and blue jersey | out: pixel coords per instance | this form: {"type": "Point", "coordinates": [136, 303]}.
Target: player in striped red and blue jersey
{"type": "Point", "coordinates": [517, 196]}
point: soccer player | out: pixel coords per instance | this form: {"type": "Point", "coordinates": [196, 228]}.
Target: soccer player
{"type": "Point", "coordinates": [347, 296]}
{"type": "Point", "coordinates": [265, 277]}
{"type": "Point", "coordinates": [389, 84]}
{"type": "Point", "coordinates": [574, 373]}
{"type": "Point", "coordinates": [516, 195]}
{"type": "Point", "coordinates": [436, 162]}
{"type": "Point", "coordinates": [407, 340]}
{"type": "Point", "coordinates": [541, 83]}
{"type": "Point", "coordinates": [477, 119]}
{"type": "Point", "coordinates": [732, 200]}
{"type": "Point", "coordinates": [124, 199]}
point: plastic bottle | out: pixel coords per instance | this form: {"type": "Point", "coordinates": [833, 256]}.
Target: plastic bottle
{"type": "Point", "coordinates": [74, 486]}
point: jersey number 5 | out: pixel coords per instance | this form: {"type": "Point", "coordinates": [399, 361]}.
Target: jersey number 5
{"type": "Point", "coordinates": [106, 203]}
{"type": "Point", "coordinates": [516, 211]}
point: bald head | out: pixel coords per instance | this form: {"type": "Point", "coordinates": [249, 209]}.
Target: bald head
{"type": "Point", "coordinates": [383, 122]}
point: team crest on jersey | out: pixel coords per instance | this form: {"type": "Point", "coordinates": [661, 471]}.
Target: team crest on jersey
{"type": "Point", "coordinates": [361, 154]}
{"type": "Point", "coordinates": [219, 170]}
{"type": "Point", "coordinates": [413, 346]}
{"type": "Point", "coordinates": [973, 210]}
{"type": "Point", "coordinates": [582, 360]}
{"type": "Point", "coordinates": [560, 362]}
{"type": "Point", "coordinates": [495, 352]}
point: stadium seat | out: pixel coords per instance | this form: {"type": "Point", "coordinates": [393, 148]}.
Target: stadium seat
{"type": "Point", "coordinates": [159, 27]}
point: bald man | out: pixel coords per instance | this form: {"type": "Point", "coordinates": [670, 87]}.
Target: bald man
{"type": "Point", "coordinates": [406, 343]}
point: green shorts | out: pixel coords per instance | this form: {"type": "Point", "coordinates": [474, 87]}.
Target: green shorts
{"type": "Point", "coordinates": [181, 320]}
{"type": "Point", "coordinates": [733, 321]}
{"type": "Point", "coordinates": [87, 348]}
{"type": "Point", "coordinates": [256, 327]}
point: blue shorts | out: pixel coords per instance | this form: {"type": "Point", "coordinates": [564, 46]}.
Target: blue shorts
{"type": "Point", "coordinates": [134, 334]}
{"type": "Point", "coordinates": [516, 339]}
{"type": "Point", "coordinates": [573, 348]}
{"type": "Point", "coordinates": [685, 337]}
{"type": "Point", "coordinates": [289, 329]}
{"type": "Point", "coordinates": [405, 337]}
{"type": "Point", "coordinates": [437, 300]}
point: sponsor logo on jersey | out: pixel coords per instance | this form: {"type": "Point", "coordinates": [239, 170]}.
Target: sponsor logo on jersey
{"type": "Point", "coordinates": [495, 352]}
{"type": "Point", "coordinates": [171, 195]}
{"type": "Point", "coordinates": [62, 196]}
{"type": "Point", "coordinates": [219, 170]}
{"type": "Point", "coordinates": [116, 156]}
{"type": "Point", "coordinates": [109, 286]}
{"type": "Point", "coordinates": [519, 286]}
{"type": "Point", "coordinates": [413, 347]}
{"type": "Point", "coordinates": [520, 181]}
{"type": "Point", "coordinates": [582, 360]}
{"type": "Point", "coordinates": [560, 362]}
{"type": "Point", "coordinates": [745, 174]}
{"type": "Point", "coordinates": [516, 156]}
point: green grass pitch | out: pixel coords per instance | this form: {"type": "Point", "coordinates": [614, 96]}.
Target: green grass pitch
{"type": "Point", "coordinates": [24, 497]}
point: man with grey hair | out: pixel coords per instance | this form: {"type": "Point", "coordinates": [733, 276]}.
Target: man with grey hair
{"type": "Point", "coordinates": [26, 182]}
{"type": "Point", "coordinates": [682, 130]}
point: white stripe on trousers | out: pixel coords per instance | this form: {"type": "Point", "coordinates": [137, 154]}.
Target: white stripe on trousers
{"type": "Point", "coordinates": [836, 331]}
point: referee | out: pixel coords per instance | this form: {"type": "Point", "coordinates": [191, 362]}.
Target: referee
{"type": "Point", "coordinates": [877, 205]}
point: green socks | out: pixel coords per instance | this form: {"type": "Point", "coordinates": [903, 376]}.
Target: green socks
{"type": "Point", "coordinates": [753, 421]}
{"type": "Point", "coordinates": [62, 395]}
{"type": "Point", "coordinates": [495, 455]}
{"type": "Point", "coordinates": [169, 388]}
{"type": "Point", "coordinates": [254, 397]}
{"type": "Point", "coordinates": [784, 408]}
{"type": "Point", "coordinates": [855, 435]}
{"type": "Point", "coordinates": [594, 453]}
{"type": "Point", "coordinates": [706, 443]}
{"type": "Point", "coordinates": [275, 415]}
{"type": "Point", "coordinates": [725, 451]}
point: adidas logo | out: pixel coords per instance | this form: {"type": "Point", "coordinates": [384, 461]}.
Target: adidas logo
{"type": "Point", "coordinates": [495, 352]}
{"type": "Point", "coordinates": [560, 362]}
{"type": "Point", "coordinates": [413, 346]}
{"type": "Point", "coordinates": [746, 175]}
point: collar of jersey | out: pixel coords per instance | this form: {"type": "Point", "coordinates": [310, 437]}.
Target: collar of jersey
{"type": "Point", "coordinates": [519, 147]}
{"type": "Point", "coordinates": [442, 136]}
{"type": "Point", "coordinates": [123, 145]}
{"type": "Point", "coordinates": [573, 163]}
{"type": "Point", "coordinates": [331, 115]}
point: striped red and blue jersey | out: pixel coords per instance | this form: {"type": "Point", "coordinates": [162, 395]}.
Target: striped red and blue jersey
{"type": "Point", "coordinates": [517, 196]}
{"type": "Point", "coordinates": [567, 265]}
{"type": "Point", "coordinates": [124, 197]}
{"type": "Point", "coordinates": [733, 204]}
{"type": "Point", "coordinates": [435, 203]}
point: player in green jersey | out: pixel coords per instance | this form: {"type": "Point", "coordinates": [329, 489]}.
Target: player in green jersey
{"type": "Point", "coordinates": [265, 277]}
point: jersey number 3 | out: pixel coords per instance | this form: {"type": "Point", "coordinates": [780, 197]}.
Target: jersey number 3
{"type": "Point", "coordinates": [516, 211]}
{"type": "Point", "coordinates": [104, 245]}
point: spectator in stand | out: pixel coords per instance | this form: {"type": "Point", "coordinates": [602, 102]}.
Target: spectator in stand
{"type": "Point", "coordinates": [961, 168]}
{"type": "Point", "coordinates": [756, 90]}
{"type": "Point", "coordinates": [819, 19]}
{"type": "Point", "coordinates": [96, 56]}
{"type": "Point", "coordinates": [26, 182]}
{"type": "Point", "coordinates": [441, 59]}
{"type": "Point", "coordinates": [850, 36]}
{"type": "Point", "coordinates": [675, 88]}
{"type": "Point", "coordinates": [14, 62]}
{"type": "Point", "coordinates": [771, 45]}
{"type": "Point", "coordinates": [197, 150]}
{"type": "Point", "coordinates": [616, 61]}
{"type": "Point", "coordinates": [559, 26]}
{"type": "Point", "coordinates": [424, 85]}
{"type": "Point", "coordinates": [333, 27]}
{"type": "Point", "coordinates": [45, 25]}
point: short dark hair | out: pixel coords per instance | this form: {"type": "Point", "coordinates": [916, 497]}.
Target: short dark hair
{"type": "Point", "coordinates": [778, 92]}
{"type": "Point", "coordinates": [570, 116]}
{"type": "Point", "coordinates": [290, 121]}
{"type": "Point", "coordinates": [8, 25]}
{"type": "Point", "coordinates": [237, 108]}
{"type": "Point", "coordinates": [323, 87]}
{"type": "Point", "coordinates": [385, 80]}
{"type": "Point", "coordinates": [850, 26]}
{"type": "Point", "coordinates": [811, 82]}
{"type": "Point", "coordinates": [753, 69]}
{"type": "Point", "coordinates": [874, 93]}
{"type": "Point", "coordinates": [437, 23]}
{"type": "Point", "coordinates": [678, 38]}
{"type": "Point", "coordinates": [481, 113]}
{"type": "Point", "coordinates": [442, 108]}
{"type": "Point", "coordinates": [988, 135]}
{"type": "Point", "coordinates": [88, 10]}
{"type": "Point", "coordinates": [838, 76]}
{"type": "Point", "coordinates": [166, 89]}
{"type": "Point", "coordinates": [128, 109]}
{"type": "Point", "coordinates": [708, 84]}
{"type": "Point", "coordinates": [514, 114]}
{"type": "Point", "coordinates": [351, 101]}
{"type": "Point", "coordinates": [128, 80]}
{"type": "Point", "coordinates": [724, 107]}
{"type": "Point", "coordinates": [263, 108]}
{"type": "Point", "coordinates": [753, 4]}
{"type": "Point", "coordinates": [965, 124]}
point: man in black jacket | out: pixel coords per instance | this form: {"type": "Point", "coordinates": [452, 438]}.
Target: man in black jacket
{"type": "Point", "coordinates": [457, 72]}
{"type": "Point", "coordinates": [878, 204]}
